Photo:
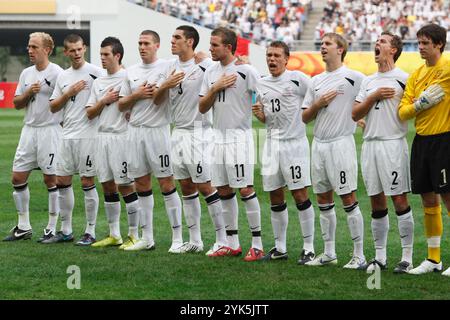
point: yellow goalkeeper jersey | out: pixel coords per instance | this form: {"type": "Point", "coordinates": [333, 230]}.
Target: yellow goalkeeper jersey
{"type": "Point", "coordinates": [436, 119]}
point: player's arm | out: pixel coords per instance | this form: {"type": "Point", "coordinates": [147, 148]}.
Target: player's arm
{"type": "Point", "coordinates": [145, 91]}
{"type": "Point", "coordinates": [172, 81]}
{"type": "Point", "coordinates": [207, 101]}
{"type": "Point", "coordinates": [258, 111]}
{"type": "Point", "coordinates": [21, 101]}
{"type": "Point", "coordinates": [361, 109]}
{"type": "Point", "coordinates": [95, 110]}
{"type": "Point", "coordinates": [58, 103]}
{"type": "Point", "coordinates": [311, 112]}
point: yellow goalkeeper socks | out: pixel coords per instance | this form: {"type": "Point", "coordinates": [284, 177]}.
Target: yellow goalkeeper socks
{"type": "Point", "coordinates": [433, 230]}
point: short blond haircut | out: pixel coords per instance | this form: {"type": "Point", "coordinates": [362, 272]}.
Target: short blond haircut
{"type": "Point", "coordinates": [47, 40]}
{"type": "Point", "coordinates": [340, 41]}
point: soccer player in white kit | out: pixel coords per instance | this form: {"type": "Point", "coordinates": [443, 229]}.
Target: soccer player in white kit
{"type": "Point", "coordinates": [333, 158]}
{"type": "Point", "coordinates": [40, 134]}
{"type": "Point", "coordinates": [385, 155]}
{"type": "Point", "coordinates": [286, 157]}
{"type": "Point", "coordinates": [77, 146]}
{"type": "Point", "coordinates": [149, 140]}
{"type": "Point", "coordinates": [111, 147]}
{"type": "Point", "coordinates": [228, 89]}
{"type": "Point", "coordinates": [191, 138]}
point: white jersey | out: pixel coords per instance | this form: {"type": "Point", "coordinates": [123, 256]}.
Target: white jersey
{"type": "Point", "coordinates": [110, 120]}
{"type": "Point", "coordinates": [145, 112]}
{"type": "Point", "coordinates": [184, 99]}
{"type": "Point", "coordinates": [76, 123]}
{"type": "Point", "coordinates": [335, 120]}
{"type": "Point", "coordinates": [382, 121]}
{"type": "Point", "coordinates": [37, 112]}
{"type": "Point", "coordinates": [232, 109]}
{"type": "Point", "coordinates": [282, 98]}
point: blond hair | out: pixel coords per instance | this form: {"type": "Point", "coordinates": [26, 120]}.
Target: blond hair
{"type": "Point", "coordinates": [47, 40]}
{"type": "Point", "coordinates": [340, 41]}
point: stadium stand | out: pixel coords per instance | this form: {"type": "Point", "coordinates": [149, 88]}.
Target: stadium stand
{"type": "Point", "coordinates": [259, 21]}
{"type": "Point", "coordinates": [361, 21]}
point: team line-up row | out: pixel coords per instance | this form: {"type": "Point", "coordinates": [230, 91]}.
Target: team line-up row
{"type": "Point", "coordinates": [116, 126]}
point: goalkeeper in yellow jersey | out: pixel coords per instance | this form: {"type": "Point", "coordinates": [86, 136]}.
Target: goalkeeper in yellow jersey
{"type": "Point", "coordinates": [427, 99]}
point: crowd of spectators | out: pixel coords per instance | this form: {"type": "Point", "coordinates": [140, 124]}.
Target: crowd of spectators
{"type": "Point", "coordinates": [260, 21]}
{"type": "Point", "coordinates": [361, 21]}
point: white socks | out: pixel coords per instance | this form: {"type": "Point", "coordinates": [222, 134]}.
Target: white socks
{"type": "Point", "coordinates": [356, 226]}
{"type": "Point", "coordinates": [53, 209]}
{"type": "Point", "coordinates": [66, 204]}
{"type": "Point", "coordinates": [406, 231]}
{"type": "Point", "coordinates": [146, 203]}
{"type": "Point", "coordinates": [132, 207]}
{"type": "Point", "coordinates": [192, 213]}
{"type": "Point", "coordinates": [215, 211]}
{"type": "Point", "coordinates": [254, 219]}
{"type": "Point", "coordinates": [306, 217]}
{"type": "Point", "coordinates": [279, 218]}
{"type": "Point", "coordinates": [21, 197]}
{"type": "Point", "coordinates": [91, 202]}
{"type": "Point", "coordinates": [173, 208]}
{"type": "Point", "coordinates": [380, 229]}
{"type": "Point", "coordinates": [112, 209]}
{"type": "Point", "coordinates": [230, 217]}
{"type": "Point", "coordinates": [328, 227]}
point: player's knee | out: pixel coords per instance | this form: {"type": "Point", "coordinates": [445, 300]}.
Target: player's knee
{"type": "Point", "coordinates": [50, 181]}
{"type": "Point", "coordinates": [246, 192]}
{"type": "Point", "coordinates": [17, 180]}
{"type": "Point", "coordinates": [166, 184]}
{"type": "Point", "coordinates": [109, 187]}
{"type": "Point", "coordinates": [400, 203]}
{"type": "Point", "coordinates": [206, 189]}
{"type": "Point", "coordinates": [300, 195]}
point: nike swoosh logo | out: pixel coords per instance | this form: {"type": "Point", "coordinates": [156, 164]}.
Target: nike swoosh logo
{"type": "Point", "coordinates": [239, 180]}
{"type": "Point", "coordinates": [265, 93]}
{"type": "Point", "coordinates": [198, 175]}
{"type": "Point", "coordinates": [135, 80]}
{"type": "Point", "coordinates": [442, 185]}
{"type": "Point", "coordinates": [393, 188]}
{"type": "Point", "coordinates": [253, 228]}
{"type": "Point", "coordinates": [296, 181]}
{"type": "Point", "coordinates": [403, 236]}
{"type": "Point", "coordinates": [48, 168]}
{"type": "Point", "coordinates": [317, 89]}
{"type": "Point", "coordinates": [19, 234]}
{"type": "Point", "coordinates": [100, 90]}
{"type": "Point", "coordinates": [340, 188]}
{"type": "Point", "coordinates": [355, 238]}
{"type": "Point", "coordinates": [65, 86]}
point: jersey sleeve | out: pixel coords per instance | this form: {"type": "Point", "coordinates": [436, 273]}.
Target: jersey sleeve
{"type": "Point", "coordinates": [406, 108]}
{"type": "Point", "coordinates": [253, 77]}
{"type": "Point", "coordinates": [205, 85]}
{"type": "Point", "coordinates": [57, 92]}
{"type": "Point", "coordinates": [125, 88]}
{"type": "Point", "coordinates": [305, 83]}
{"type": "Point", "coordinates": [21, 86]}
{"type": "Point", "coordinates": [362, 94]}
{"type": "Point", "coordinates": [309, 97]}
{"type": "Point", "coordinates": [93, 98]}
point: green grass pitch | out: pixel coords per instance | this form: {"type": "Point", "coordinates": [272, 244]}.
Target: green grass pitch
{"type": "Point", "coordinates": [33, 271]}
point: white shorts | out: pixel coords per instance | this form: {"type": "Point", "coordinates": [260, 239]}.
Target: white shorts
{"type": "Point", "coordinates": [149, 152]}
{"type": "Point", "coordinates": [233, 163]}
{"type": "Point", "coordinates": [385, 167]}
{"type": "Point", "coordinates": [38, 148]}
{"type": "Point", "coordinates": [286, 162]}
{"type": "Point", "coordinates": [334, 166]}
{"type": "Point", "coordinates": [191, 154]}
{"type": "Point", "coordinates": [76, 156]}
{"type": "Point", "coordinates": [111, 159]}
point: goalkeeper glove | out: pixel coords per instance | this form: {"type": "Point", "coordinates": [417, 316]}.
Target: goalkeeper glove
{"type": "Point", "coordinates": [430, 97]}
